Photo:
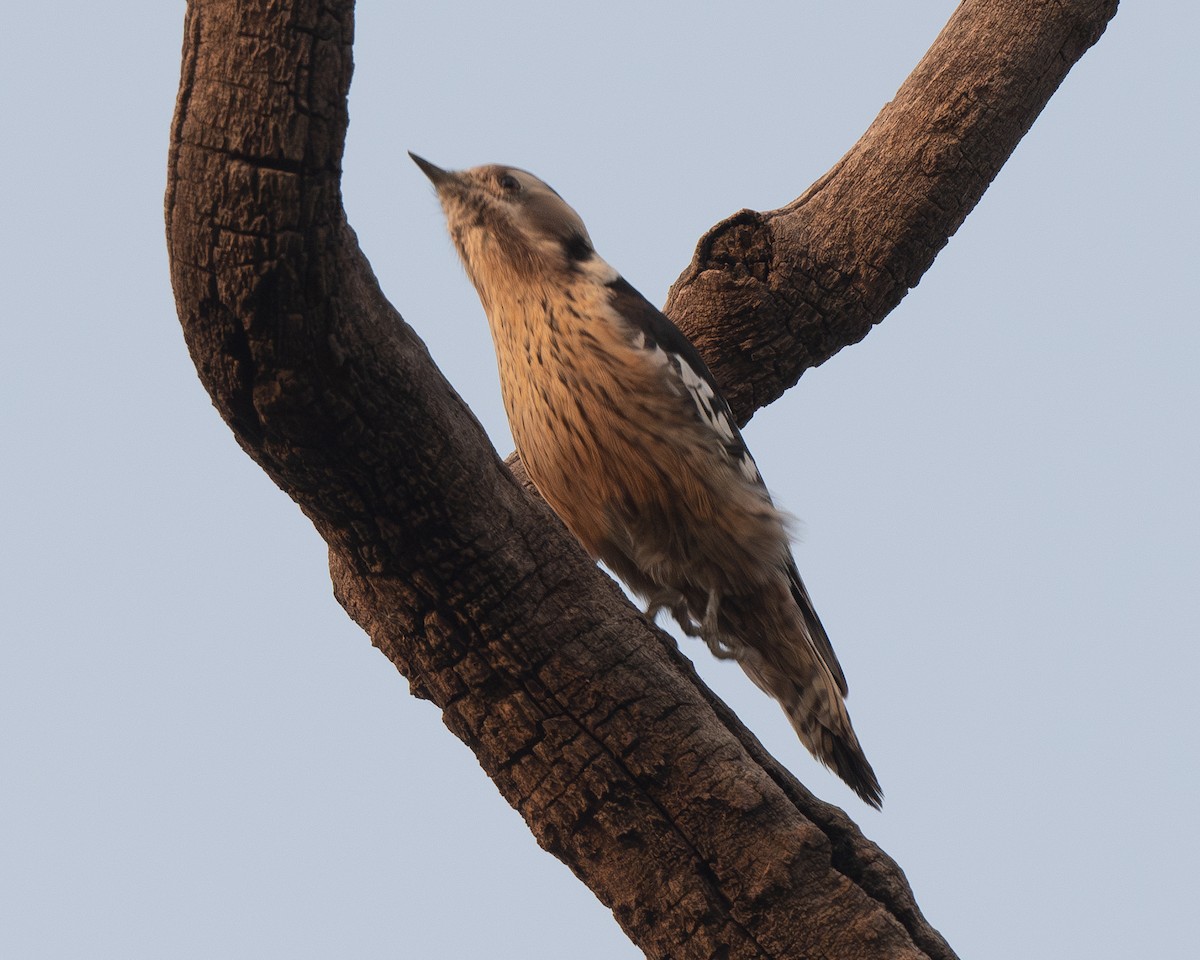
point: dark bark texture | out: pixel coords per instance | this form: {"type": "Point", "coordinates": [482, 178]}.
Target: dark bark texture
{"type": "Point", "coordinates": [585, 716]}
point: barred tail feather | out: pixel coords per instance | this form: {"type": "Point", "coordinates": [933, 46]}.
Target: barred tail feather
{"type": "Point", "coordinates": [839, 750]}
{"type": "Point", "coordinates": [847, 760]}
{"type": "Point", "coordinates": [813, 703]}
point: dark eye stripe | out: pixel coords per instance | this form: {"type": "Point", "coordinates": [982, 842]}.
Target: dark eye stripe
{"type": "Point", "coordinates": [577, 248]}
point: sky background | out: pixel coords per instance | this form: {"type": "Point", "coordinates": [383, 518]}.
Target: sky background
{"type": "Point", "coordinates": [201, 756]}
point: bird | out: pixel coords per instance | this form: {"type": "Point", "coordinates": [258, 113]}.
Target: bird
{"type": "Point", "coordinates": [626, 435]}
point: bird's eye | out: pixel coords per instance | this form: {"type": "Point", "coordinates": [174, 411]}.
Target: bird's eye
{"type": "Point", "coordinates": [510, 184]}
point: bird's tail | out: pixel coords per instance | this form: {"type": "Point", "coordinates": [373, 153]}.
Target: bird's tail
{"type": "Point", "coordinates": [810, 696]}
{"type": "Point", "coordinates": [824, 727]}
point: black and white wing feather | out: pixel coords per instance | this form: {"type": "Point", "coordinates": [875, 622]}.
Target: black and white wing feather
{"type": "Point", "coordinates": [691, 372]}
{"type": "Point", "coordinates": [658, 332]}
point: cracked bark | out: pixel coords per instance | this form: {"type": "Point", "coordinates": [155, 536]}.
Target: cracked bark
{"type": "Point", "coordinates": [586, 718]}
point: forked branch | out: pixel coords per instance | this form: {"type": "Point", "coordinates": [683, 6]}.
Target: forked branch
{"type": "Point", "coordinates": [586, 718]}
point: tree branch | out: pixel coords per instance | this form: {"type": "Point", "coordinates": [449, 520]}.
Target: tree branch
{"type": "Point", "coordinates": [586, 717]}
{"type": "Point", "coordinates": [768, 295]}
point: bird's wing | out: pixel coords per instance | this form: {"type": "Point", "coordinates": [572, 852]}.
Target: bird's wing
{"type": "Point", "coordinates": [712, 409]}
{"type": "Point", "coordinates": [691, 372]}
{"type": "Point", "coordinates": [816, 631]}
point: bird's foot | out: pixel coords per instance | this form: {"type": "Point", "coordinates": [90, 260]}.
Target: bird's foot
{"type": "Point", "coordinates": [711, 631]}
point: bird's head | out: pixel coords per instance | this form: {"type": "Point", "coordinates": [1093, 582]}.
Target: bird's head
{"type": "Point", "coordinates": [505, 222]}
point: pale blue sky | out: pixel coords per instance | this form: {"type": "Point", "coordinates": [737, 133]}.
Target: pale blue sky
{"type": "Point", "coordinates": [202, 757]}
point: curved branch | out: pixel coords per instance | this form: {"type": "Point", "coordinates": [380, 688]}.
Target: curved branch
{"type": "Point", "coordinates": [586, 717]}
{"type": "Point", "coordinates": [768, 295]}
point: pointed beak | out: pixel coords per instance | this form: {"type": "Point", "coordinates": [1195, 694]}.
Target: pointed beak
{"type": "Point", "coordinates": [436, 174]}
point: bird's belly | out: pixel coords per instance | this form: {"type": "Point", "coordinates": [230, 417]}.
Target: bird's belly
{"type": "Point", "coordinates": [642, 495]}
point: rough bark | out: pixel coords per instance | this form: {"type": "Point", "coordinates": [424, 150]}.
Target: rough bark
{"type": "Point", "coordinates": [587, 719]}
{"type": "Point", "coordinates": [770, 294]}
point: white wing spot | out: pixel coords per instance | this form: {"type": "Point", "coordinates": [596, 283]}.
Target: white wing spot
{"type": "Point", "coordinates": [712, 411]}
{"type": "Point", "coordinates": [705, 400]}
{"type": "Point", "coordinates": [715, 414]}
{"type": "Point", "coordinates": [749, 468]}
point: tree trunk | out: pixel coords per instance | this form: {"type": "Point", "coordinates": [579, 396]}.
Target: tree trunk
{"type": "Point", "coordinates": [586, 717]}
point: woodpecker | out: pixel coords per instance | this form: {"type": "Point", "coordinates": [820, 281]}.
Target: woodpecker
{"type": "Point", "coordinates": [623, 430]}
